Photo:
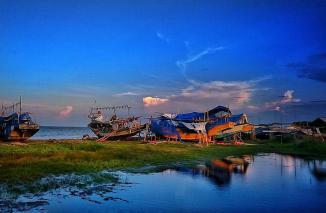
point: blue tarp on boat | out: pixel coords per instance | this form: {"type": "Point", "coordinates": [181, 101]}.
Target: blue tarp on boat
{"type": "Point", "coordinates": [234, 118]}
{"type": "Point", "coordinates": [164, 127]}
{"type": "Point", "coordinates": [201, 115]}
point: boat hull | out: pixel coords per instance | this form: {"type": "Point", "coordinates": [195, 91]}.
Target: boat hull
{"type": "Point", "coordinates": [118, 135]}
{"type": "Point", "coordinates": [199, 130]}
{"type": "Point", "coordinates": [197, 136]}
{"type": "Point", "coordinates": [21, 134]}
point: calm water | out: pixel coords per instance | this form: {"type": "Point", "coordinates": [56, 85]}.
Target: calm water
{"type": "Point", "coordinates": [46, 132]}
{"type": "Point", "coordinates": [269, 183]}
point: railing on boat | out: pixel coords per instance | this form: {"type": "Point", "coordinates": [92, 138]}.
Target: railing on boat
{"type": "Point", "coordinates": [6, 110]}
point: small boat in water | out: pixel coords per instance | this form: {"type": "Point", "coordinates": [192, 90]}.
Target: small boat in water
{"type": "Point", "coordinates": [16, 125]}
{"type": "Point", "coordinates": [112, 127]}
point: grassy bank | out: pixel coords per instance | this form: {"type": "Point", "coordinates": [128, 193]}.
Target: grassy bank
{"type": "Point", "coordinates": [33, 160]}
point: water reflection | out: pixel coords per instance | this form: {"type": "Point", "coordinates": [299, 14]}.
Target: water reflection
{"type": "Point", "coordinates": [319, 170]}
{"type": "Point", "coordinates": [264, 177]}
{"type": "Point", "coordinates": [220, 170]}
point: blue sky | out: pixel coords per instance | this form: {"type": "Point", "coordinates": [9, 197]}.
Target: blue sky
{"type": "Point", "coordinates": [264, 58]}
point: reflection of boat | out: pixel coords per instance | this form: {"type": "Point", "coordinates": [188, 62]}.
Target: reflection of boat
{"type": "Point", "coordinates": [220, 170]}
{"type": "Point", "coordinates": [319, 172]}
{"type": "Point", "coordinates": [200, 126]}
{"type": "Point", "coordinates": [114, 128]}
{"type": "Point", "coordinates": [16, 125]}
{"type": "Point", "coordinates": [231, 164]}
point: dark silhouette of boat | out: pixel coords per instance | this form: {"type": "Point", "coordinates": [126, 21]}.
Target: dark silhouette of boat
{"type": "Point", "coordinates": [16, 125]}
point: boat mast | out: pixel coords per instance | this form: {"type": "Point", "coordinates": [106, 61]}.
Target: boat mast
{"type": "Point", "coordinates": [20, 105]}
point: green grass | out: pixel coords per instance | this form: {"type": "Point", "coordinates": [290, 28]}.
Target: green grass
{"type": "Point", "coordinates": [30, 162]}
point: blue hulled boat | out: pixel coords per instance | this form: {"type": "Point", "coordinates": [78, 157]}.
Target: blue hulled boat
{"type": "Point", "coordinates": [16, 125]}
{"type": "Point", "coordinates": [200, 126]}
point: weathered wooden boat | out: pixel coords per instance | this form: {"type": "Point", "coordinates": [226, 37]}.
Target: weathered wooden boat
{"type": "Point", "coordinates": [199, 126]}
{"type": "Point", "coordinates": [16, 125]}
{"type": "Point", "coordinates": [107, 127]}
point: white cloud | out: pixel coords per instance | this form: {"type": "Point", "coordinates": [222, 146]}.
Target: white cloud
{"type": "Point", "coordinates": [278, 109]}
{"type": "Point", "coordinates": [182, 64]}
{"type": "Point", "coordinates": [154, 101]}
{"type": "Point", "coordinates": [125, 94]}
{"type": "Point", "coordinates": [288, 98]}
{"type": "Point", "coordinates": [66, 111]}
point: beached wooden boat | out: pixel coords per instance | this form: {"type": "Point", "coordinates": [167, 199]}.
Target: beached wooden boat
{"type": "Point", "coordinates": [16, 125]}
{"type": "Point", "coordinates": [114, 128]}
{"type": "Point", "coordinates": [199, 126]}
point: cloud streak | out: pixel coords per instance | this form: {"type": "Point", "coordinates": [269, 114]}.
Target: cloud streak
{"type": "Point", "coordinates": [125, 94]}
{"type": "Point", "coordinates": [162, 37]}
{"type": "Point", "coordinates": [182, 64]}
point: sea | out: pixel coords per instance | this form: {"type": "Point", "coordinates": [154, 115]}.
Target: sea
{"type": "Point", "coordinates": [54, 132]}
